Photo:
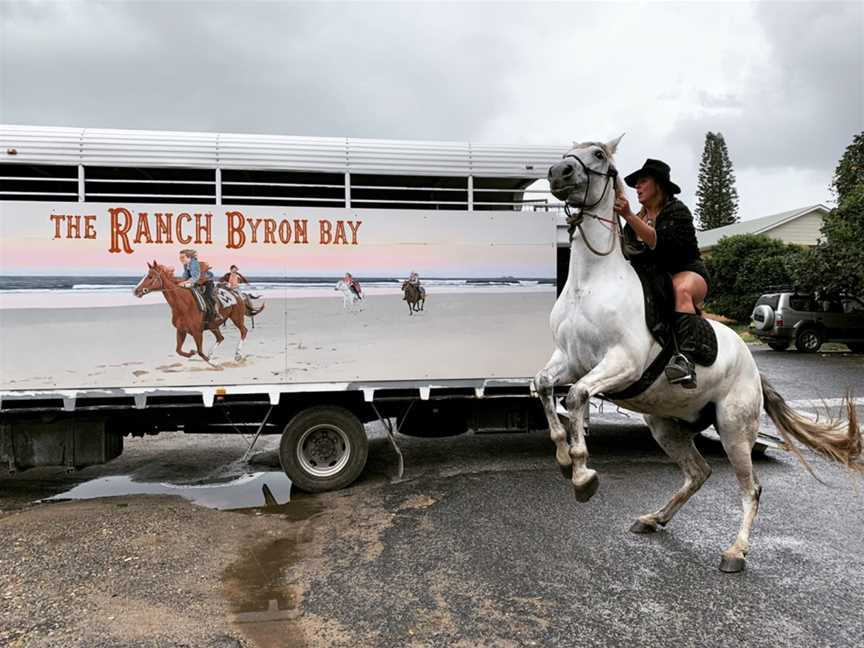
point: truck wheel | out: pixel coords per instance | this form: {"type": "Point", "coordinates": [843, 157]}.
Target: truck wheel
{"type": "Point", "coordinates": [808, 340]}
{"type": "Point", "coordinates": [779, 346]}
{"type": "Point", "coordinates": [323, 448]}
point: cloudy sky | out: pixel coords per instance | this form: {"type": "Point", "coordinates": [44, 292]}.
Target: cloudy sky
{"type": "Point", "coordinates": [783, 81]}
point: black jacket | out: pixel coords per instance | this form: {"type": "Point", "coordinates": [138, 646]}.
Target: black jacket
{"type": "Point", "coordinates": [676, 248]}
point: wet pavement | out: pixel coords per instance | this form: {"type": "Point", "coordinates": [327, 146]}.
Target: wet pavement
{"type": "Point", "coordinates": [482, 543]}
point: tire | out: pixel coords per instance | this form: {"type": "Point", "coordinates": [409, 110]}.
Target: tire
{"type": "Point", "coordinates": [856, 347]}
{"type": "Point", "coordinates": [323, 448]}
{"type": "Point", "coordinates": [763, 317]}
{"type": "Point", "coordinates": [779, 346]}
{"type": "Point", "coordinates": [808, 340]}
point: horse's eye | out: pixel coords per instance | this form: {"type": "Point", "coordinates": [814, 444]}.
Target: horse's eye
{"type": "Point", "coordinates": [598, 155]}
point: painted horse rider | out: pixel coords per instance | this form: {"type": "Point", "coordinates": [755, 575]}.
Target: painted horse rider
{"type": "Point", "coordinates": [197, 275]}
{"type": "Point", "coordinates": [662, 233]}
{"type": "Point", "coordinates": [353, 285]}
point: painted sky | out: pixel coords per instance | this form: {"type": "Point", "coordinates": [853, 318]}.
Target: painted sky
{"type": "Point", "coordinates": [388, 243]}
{"type": "Point", "coordinates": [783, 81]}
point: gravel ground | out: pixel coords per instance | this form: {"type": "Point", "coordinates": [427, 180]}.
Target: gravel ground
{"type": "Point", "coordinates": [480, 545]}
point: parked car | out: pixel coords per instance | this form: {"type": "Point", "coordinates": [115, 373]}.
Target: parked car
{"type": "Point", "coordinates": [808, 320]}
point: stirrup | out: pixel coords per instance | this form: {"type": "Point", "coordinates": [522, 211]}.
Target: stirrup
{"type": "Point", "coordinates": [681, 371]}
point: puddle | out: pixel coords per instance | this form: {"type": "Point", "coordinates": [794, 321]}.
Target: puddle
{"type": "Point", "coordinates": [264, 603]}
{"type": "Point", "coordinates": [256, 490]}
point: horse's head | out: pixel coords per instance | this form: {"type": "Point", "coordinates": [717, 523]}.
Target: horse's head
{"type": "Point", "coordinates": [405, 285]}
{"type": "Point", "coordinates": [570, 179]}
{"type": "Point", "coordinates": [154, 279]}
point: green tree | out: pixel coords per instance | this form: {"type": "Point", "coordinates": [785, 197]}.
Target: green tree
{"type": "Point", "coordinates": [716, 196]}
{"type": "Point", "coordinates": [837, 263]}
{"type": "Point", "coordinates": [742, 267]}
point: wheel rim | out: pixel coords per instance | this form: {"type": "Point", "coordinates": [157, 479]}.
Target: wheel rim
{"type": "Point", "coordinates": [323, 450]}
{"type": "Point", "coordinates": [811, 342]}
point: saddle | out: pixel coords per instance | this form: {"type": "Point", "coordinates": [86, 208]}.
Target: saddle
{"type": "Point", "coordinates": [659, 316]}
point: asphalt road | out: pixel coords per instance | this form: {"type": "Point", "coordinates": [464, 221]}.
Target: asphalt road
{"type": "Point", "coordinates": [483, 544]}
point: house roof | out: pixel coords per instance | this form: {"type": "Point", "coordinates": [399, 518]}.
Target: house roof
{"type": "Point", "coordinates": [710, 238]}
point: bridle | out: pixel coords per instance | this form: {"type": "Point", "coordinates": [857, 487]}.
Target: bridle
{"type": "Point", "coordinates": [161, 288]}
{"type": "Point", "coordinates": [574, 220]}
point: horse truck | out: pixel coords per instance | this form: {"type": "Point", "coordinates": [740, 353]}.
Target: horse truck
{"type": "Point", "coordinates": [98, 337]}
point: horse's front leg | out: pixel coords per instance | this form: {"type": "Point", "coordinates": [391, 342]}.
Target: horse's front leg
{"type": "Point", "coordinates": [556, 372]}
{"type": "Point", "coordinates": [181, 338]}
{"type": "Point", "coordinates": [614, 372]}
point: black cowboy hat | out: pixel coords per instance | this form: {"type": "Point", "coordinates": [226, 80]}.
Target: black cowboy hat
{"type": "Point", "coordinates": [656, 169]}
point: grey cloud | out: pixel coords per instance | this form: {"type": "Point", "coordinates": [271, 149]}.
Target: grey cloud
{"type": "Point", "coordinates": [360, 70]}
{"type": "Point", "coordinates": [807, 100]}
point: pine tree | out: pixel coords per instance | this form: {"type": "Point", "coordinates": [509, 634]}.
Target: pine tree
{"type": "Point", "coordinates": [716, 196]}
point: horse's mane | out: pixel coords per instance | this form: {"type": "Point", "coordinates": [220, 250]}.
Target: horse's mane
{"type": "Point", "coordinates": [165, 271]}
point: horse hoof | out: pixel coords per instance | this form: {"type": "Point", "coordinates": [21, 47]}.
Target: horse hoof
{"type": "Point", "coordinates": [731, 565]}
{"type": "Point", "coordinates": [566, 471]}
{"type": "Point", "coordinates": [585, 491]}
{"type": "Point", "coordinates": [640, 527]}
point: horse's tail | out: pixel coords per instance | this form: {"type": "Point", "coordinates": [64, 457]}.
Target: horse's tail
{"type": "Point", "coordinates": [251, 311]}
{"type": "Point", "coordinates": [835, 439]}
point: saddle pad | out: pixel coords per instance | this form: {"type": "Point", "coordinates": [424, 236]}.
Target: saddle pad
{"type": "Point", "coordinates": [226, 297]}
{"type": "Point", "coordinates": [704, 339]}
{"type": "Point", "coordinates": [199, 299]}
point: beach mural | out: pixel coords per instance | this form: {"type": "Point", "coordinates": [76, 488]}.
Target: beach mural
{"type": "Point", "coordinates": [341, 295]}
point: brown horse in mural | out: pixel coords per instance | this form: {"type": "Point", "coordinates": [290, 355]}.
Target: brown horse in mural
{"type": "Point", "coordinates": [416, 297]}
{"type": "Point", "coordinates": [187, 317]}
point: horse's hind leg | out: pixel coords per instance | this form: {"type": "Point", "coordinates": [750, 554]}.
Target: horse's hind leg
{"type": "Point", "coordinates": [219, 339]}
{"type": "Point", "coordinates": [181, 338]}
{"type": "Point", "coordinates": [738, 434]}
{"type": "Point", "coordinates": [198, 336]}
{"type": "Point", "coordinates": [556, 372]}
{"type": "Point", "coordinates": [676, 440]}
{"type": "Point", "coordinates": [238, 322]}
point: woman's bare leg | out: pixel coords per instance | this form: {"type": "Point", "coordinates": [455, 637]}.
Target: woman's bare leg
{"type": "Point", "coordinates": [690, 291]}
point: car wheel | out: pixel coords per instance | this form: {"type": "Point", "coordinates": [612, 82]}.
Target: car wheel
{"type": "Point", "coordinates": [779, 346]}
{"type": "Point", "coordinates": [856, 347]}
{"type": "Point", "coordinates": [323, 448]}
{"type": "Point", "coordinates": [808, 341]}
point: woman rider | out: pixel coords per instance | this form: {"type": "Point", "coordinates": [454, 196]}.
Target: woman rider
{"type": "Point", "coordinates": [197, 275]}
{"type": "Point", "coordinates": [664, 226]}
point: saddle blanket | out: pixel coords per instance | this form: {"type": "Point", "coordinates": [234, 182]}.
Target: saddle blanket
{"type": "Point", "coordinates": [227, 297]}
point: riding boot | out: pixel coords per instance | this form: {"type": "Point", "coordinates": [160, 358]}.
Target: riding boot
{"type": "Point", "coordinates": [681, 369]}
{"type": "Point", "coordinates": [211, 315]}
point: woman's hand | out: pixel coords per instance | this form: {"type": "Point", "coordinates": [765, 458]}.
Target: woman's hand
{"type": "Point", "coordinates": [622, 208]}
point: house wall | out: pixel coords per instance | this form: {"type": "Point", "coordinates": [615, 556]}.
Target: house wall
{"type": "Point", "coordinates": [804, 230]}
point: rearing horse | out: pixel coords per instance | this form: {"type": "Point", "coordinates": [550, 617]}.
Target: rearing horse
{"type": "Point", "coordinates": [186, 317]}
{"type": "Point", "coordinates": [602, 345]}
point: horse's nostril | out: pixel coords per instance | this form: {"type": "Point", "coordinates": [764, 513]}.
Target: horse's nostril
{"type": "Point", "coordinates": [567, 170]}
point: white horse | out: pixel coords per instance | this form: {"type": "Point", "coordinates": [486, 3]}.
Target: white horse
{"type": "Point", "coordinates": [349, 297]}
{"type": "Point", "coordinates": [602, 345]}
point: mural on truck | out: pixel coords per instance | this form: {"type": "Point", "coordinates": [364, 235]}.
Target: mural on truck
{"type": "Point", "coordinates": [145, 295]}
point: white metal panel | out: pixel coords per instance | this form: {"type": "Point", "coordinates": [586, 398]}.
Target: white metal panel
{"type": "Point", "coordinates": [283, 152]}
{"type": "Point", "coordinates": [404, 157]}
{"type": "Point", "coordinates": [40, 145]}
{"type": "Point", "coordinates": [115, 147]}
{"type": "Point", "coordinates": [112, 147]}
{"type": "Point", "coordinates": [514, 161]}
